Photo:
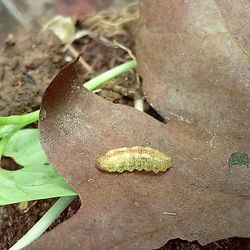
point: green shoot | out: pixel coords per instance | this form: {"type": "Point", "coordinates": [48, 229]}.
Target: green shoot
{"type": "Point", "coordinates": [48, 218]}
{"type": "Point", "coordinates": [20, 119]}
{"type": "Point", "coordinates": [98, 81]}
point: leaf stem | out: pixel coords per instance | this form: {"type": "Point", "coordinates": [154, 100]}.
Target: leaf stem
{"type": "Point", "coordinates": [98, 81]}
{"type": "Point", "coordinates": [20, 119]}
{"type": "Point", "coordinates": [48, 218]}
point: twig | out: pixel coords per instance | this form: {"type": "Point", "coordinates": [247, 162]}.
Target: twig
{"type": "Point", "coordinates": [82, 61]}
{"type": "Point", "coordinates": [169, 213]}
{"type": "Point", "coordinates": [125, 48]}
{"type": "Point", "coordinates": [139, 104]}
{"type": "Point", "coordinates": [11, 7]}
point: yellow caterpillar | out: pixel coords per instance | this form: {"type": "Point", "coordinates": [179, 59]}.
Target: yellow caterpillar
{"type": "Point", "coordinates": [134, 158]}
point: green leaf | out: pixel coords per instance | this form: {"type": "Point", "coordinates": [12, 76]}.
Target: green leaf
{"type": "Point", "coordinates": [24, 147]}
{"type": "Point", "coordinates": [37, 179]}
{"type": "Point", "coordinates": [6, 130]}
{"type": "Point", "coordinates": [6, 133]}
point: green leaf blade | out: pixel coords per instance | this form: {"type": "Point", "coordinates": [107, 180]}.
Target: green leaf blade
{"type": "Point", "coordinates": [37, 179]}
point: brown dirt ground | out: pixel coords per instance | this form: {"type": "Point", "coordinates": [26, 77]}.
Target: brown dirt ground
{"type": "Point", "coordinates": [27, 65]}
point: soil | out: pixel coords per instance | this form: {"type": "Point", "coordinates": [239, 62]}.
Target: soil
{"type": "Point", "coordinates": [234, 243]}
{"type": "Point", "coordinates": [27, 65]}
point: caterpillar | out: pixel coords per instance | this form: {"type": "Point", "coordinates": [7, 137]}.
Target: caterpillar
{"type": "Point", "coordinates": [134, 158]}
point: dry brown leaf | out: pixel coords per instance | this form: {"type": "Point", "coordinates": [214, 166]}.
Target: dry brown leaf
{"type": "Point", "coordinates": [194, 60]}
{"type": "Point", "coordinates": [209, 200]}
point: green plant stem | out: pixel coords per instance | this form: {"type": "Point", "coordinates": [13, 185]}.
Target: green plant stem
{"type": "Point", "coordinates": [92, 84]}
{"type": "Point", "coordinates": [39, 228]}
{"type": "Point", "coordinates": [20, 119]}
{"type": "Point", "coordinates": [98, 81]}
